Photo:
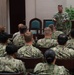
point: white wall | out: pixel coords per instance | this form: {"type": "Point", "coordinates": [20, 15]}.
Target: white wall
{"type": "Point", "coordinates": [47, 8]}
{"type": "Point", "coordinates": [30, 10]}
{"type": "Point", "coordinates": [70, 2]}
{"type": "Point", "coordinates": [3, 14]}
{"type": "Point", "coordinates": [42, 9]}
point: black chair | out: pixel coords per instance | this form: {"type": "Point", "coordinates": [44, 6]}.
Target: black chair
{"type": "Point", "coordinates": [37, 37]}
{"type": "Point", "coordinates": [20, 73]}
{"type": "Point", "coordinates": [42, 49]}
{"type": "Point", "coordinates": [35, 24]}
{"type": "Point", "coordinates": [67, 63]}
{"type": "Point", "coordinates": [30, 63]}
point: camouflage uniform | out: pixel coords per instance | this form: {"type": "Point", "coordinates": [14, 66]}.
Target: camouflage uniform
{"type": "Point", "coordinates": [60, 24]}
{"type": "Point", "coordinates": [9, 64]}
{"type": "Point", "coordinates": [56, 34]}
{"type": "Point", "coordinates": [2, 50]}
{"type": "Point", "coordinates": [29, 51]}
{"type": "Point", "coordinates": [70, 43]}
{"type": "Point", "coordinates": [62, 52]}
{"type": "Point", "coordinates": [15, 34]}
{"type": "Point", "coordinates": [50, 69]}
{"type": "Point", "coordinates": [46, 42]}
{"type": "Point", "coordinates": [19, 41]}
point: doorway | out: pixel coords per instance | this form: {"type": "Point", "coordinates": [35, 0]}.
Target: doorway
{"type": "Point", "coordinates": [17, 14]}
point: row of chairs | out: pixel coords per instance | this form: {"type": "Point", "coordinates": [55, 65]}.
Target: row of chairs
{"type": "Point", "coordinates": [20, 73]}
{"type": "Point", "coordinates": [31, 62]}
{"type": "Point", "coordinates": [36, 24]}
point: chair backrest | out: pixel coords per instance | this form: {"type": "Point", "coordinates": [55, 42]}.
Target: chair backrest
{"type": "Point", "coordinates": [47, 22]}
{"type": "Point", "coordinates": [67, 63]}
{"type": "Point", "coordinates": [30, 63]}
{"type": "Point", "coordinates": [20, 73]}
{"type": "Point", "coordinates": [37, 37]}
{"type": "Point", "coordinates": [35, 24]}
{"type": "Point", "coordinates": [42, 49]}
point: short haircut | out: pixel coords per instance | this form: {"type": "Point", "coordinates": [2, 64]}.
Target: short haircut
{"type": "Point", "coordinates": [20, 25]}
{"type": "Point", "coordinates": [28, 36]}
{"type": "Point", "coordinates": [23, 29]}
{"type": "Point", "coordinates": [47, 30]}
{"type": "Point", "coordinates": [60, 6]}
{"type": "Point", "coordinates": [49, 56]}
{"type": "Point", "coordinates": [72, 33]}
{"type": "Point", "coordinates": [51, 26]}
{"type": "Point", "coordinates": [2, 29]}
{"type": "Point", "coordinates": [11, 49]}
{"type": "Point", "coordinates": [3, 37]}
{"type": "Point", "coordinates": [62, 39]}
